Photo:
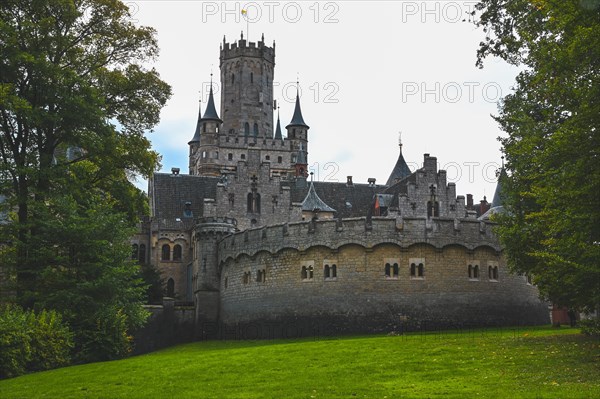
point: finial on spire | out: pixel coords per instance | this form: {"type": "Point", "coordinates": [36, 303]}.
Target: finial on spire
{"type": "Point", "coordinates": [242, 35]}
{"type": "Point", "coordinates": [262, 38]}
{"type": "Point", "coordinates": [502, 157]}
{"type": "Point", "coordinates": [311, 176]}
{"type": "Point", "coordinates": [400, 139]}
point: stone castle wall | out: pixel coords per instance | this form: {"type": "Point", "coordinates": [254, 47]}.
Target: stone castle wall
{"type": "Point", "coordinates": [361, 298]}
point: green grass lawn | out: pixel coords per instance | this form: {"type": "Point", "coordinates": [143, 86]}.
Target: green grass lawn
{"type": "Point", "coordinates": [500, 363]}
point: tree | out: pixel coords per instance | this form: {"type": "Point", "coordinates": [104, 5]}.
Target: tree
{"type": "Point", "coordinates": [76, 101]}
{"type": "Point", "coordinates": [73, 88]}
{"type": "Point", "coordinates": [551, 229]}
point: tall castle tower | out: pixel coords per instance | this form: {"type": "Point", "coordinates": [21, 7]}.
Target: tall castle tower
{"type": "Point", "coordinates": [247, 71]}
{"type": "Point", "coordinates": [245, 138]}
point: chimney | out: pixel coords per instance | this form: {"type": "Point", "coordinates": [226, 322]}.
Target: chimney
{"type": "Point", "coordinates": [371, 181]}
{"type": "Point", "coordinates": [349, 181]}
{"type": "Point", "coordinates": [469, 201]}
{"type": "Point", "coordinates": [175, 171]}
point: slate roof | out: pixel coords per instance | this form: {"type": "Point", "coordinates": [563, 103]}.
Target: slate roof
{"type": "Point", "coordinates": [400, 171]}
{"type": "Point", "coordinates": [278, 135]}
{"type": "Point", "coordinates": [210, 113]}
{"type": "Point", "coordinates": [348, 201]}
{"type": "Point", "coordinates": [312, 201]}
{"type": "Point", "coordinates": [196, 138]}
{"type": "Point", "coordinates": [169, 194]}
{"type": "Point", "coordinates": [297, 119]}
{"type": "Point", "coordinates": [497, 201]}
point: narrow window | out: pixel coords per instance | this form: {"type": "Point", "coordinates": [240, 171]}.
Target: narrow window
{"type": "Point", "coordinates": [476, 272]}
{"type": "Point", "coordinates": [243, 156]}
{"type": "Point", "coordinates": [387, 270]}
{"type": "Point", "coordinates": [495, 273]}
{"type": "Point", "coordinates": [230, 157]}
{"type": "Point", "coordinates": [395, 270]}
{"type": "Point", "coordinates": [134, 251]}
{"type": "Point", "coordinates": [246, 129]}
{"type": "Point", "coordinates": [251, 77]}
{"type": "Point", "coordinates": [333, 271]}
{"type": "Point", "coordinates": [327, 272]}
{"type": "Point", "coordinates": [279, 159]}
{"type": "Point", "coordinates": [232, 78]}
{"type": "Point", "coordinates": [216, 154]}
{"type": "Point", "coordinates": [226, 281]}
{"type": "Point", "coordinates": [413, 270]}
{"type": "Point", "coordinates": [258, 276]}
{"type": "Point", "coordinates": [171, 288]}
{"type": "Point", "coordinates": [257, 203]}
{"type": "Point", "coordinates": [489, 272]}
{"type": "Point", "coordinates": [421, 267]}
{"type": "Point", "coordinates": [177, 252]}
{"type": "Point", "coordinates": [470, 271]}
{"type": "Point", "coordinates": [256, 130]}
{"type": "Point", "coordinates": [142, 257]}
{"type": "Point", "coordinates": [250, 203]}
{"type": "Point", "coordinates": [204, 128]}
{"type": "Point", "coordinates": [264, 275]}
{"type": "Point", "coordinates": [166, 252]}
{"type": "Point", "coordinates": [303, 273]}
{"type": "Point", "coordinates": [310, 272]}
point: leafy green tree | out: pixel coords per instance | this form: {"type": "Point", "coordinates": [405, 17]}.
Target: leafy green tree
{"type": "Point", "coordinates": [551, 229]}
{"type": "Point", "coordinates": [73, 88]}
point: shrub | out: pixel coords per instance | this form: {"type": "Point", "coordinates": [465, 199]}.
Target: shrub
{"type": "Point", "coordinates": [590, 326]}
{"type": "Point", "coordinates": [32, 342]}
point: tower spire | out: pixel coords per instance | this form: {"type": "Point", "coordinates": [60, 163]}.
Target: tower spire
{"type": "Point", "coordinates": [401, 169]}
{"type": "Point", "coordinates": [210, 113]}
{"type": "Point", "coordinates": [196, 138]}
{"type": "Point", "coordinates": [297, 119]}
{"type": "Point", "coordinates": [278, 135]}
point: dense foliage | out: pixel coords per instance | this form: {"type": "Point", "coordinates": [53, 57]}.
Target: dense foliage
{"type": "Point", "coordinates": [551, 229]}
{"type": "Point", "coordinates": [32, 342]}
{"type": "Point", "coordinates": [76, 102]}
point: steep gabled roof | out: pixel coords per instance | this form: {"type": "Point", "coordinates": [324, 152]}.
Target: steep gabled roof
{"type": "Point", "coordinates": [278, 135]}
{"type": "Point", "coordinates": [170, 193]}
{"type": "Point", "coordinates": [312, 201]}
{"type": "Point", "coordinates": [400, 171]}
{"type": "Point", "coordinates": [297, 119]}
{"type": "Point", "coordinates": [210, 113]}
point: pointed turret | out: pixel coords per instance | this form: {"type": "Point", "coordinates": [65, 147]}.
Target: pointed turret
{"type": "Point", "coordinates": [401, 169]}
{"type": "Point", "coordinates": [210, 113]}
{"type": "Point", "coordinates": [196, 138]}
{"type": "Point", "coordinates": [497, 201]}
{"type": "Point", "coordinates": [278, 135]}
{"type": "Point", "coordinates": [312, 202]}
{"type": "Point", "coordinates": [297, 119]}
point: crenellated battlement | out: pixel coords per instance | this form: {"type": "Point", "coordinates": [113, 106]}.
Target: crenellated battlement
{"type": "Point", "coordinates": [333, 234]}
{"type": "Point", "coordinates": [243, 48]}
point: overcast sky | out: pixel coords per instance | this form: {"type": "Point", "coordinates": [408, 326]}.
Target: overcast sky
{"type": "Point", "coordinates": [367, 70]}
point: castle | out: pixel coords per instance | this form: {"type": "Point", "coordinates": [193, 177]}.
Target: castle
{"type": "Point", "coordinates": [251, 240]}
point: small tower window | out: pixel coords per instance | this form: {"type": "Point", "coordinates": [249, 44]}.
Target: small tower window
{"type": "Point", "coordinates": [327, 271]}
{"type": "Point", "coordinates": [246, 129]}
{"type": "Point", "coordinates": [267, 157]}
{"type": "Point", "coordinates": [251, 77]}
{"type": "Point", "coordinates": [232, 78]}
{"type": "Point", "coordinates": [166, 252]}
{"type": "Point", "coordinates": [177, 253]}
{"type": "Point", "coordinates": [204, 128]}
{"type": "Point", "coordinates": [279, 159]}
{"type": "Point", "coordinates": [333, 271]}
{"type": "Point", "coordinates": [256, 130]}
{"type": "Point", "coordinates": [229, 157]}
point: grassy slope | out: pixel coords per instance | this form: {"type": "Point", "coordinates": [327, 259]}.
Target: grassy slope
{"type": "Point", "coordinates": [523, 363]}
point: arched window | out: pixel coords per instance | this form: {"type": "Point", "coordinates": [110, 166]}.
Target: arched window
{"type": "Point", "coordinates": [310, 272]}
{"type": "Point", "coordinates": [395, 270]}
{"type": "Point", "coordinates": [495, 273]}
{"type": "Point", "coordinates": [257, 203]}
{"type": "Point", "coordinates": [246, 129]}
{"type": "Point", "coordinates": [250, 203]}
{"type": "Point", "coordinates": [327, 271]}
{"type": "Point", "coordinates": [303, 273]}
{"type": "Point", "coordinates": [259, 276]}
{"type": "Point", "coordinates": [232, 78]}
{"type": "Point", "coordinates": [470, 271]}
{"type": "Point", "coordinates": [413, 270]}
{"type": "Point", "coordinates": [166, 252]}
{"type": "Point", "coordinates": [256, 130]}
{"type": "Point", "coordinates": [279, 159]}
{"type": "Point", "coordinates": [204, 127]}
{"type": "Point", "coordinates": [253, 203]}
{"type": "Point", "coordinates": [476, 271]}
{"type": "Point", "coordinates": [134, 251]}
{"type": "Point", "coordinates": [142, 257]}
{"type": "Point", "coordinates": [333, 271]}
{"type": "Point", "coordinates": [420, 270]}
{"type": "Point", "coordinates": [171, 288]}
{"type": "Point", "coordinates": [177, 252]}
{"type": "Point", "coordinates": [387, 270]}
{"type": "Point", "coordinates": [251, 77]}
